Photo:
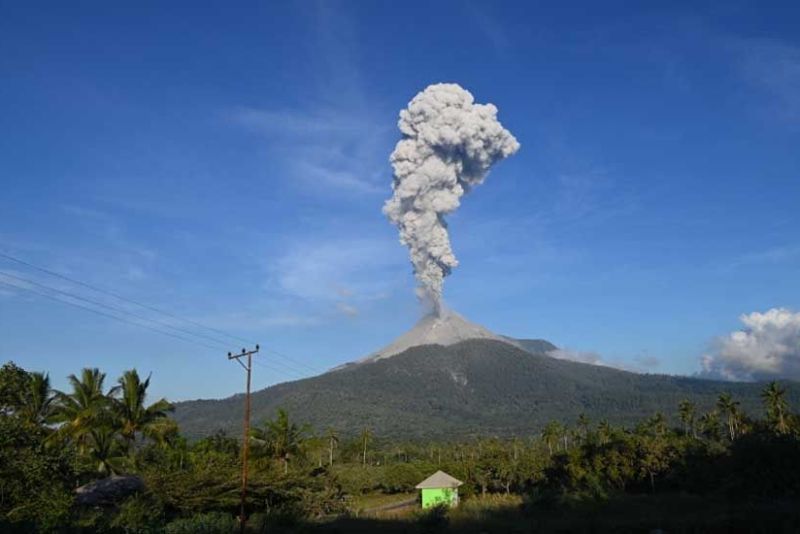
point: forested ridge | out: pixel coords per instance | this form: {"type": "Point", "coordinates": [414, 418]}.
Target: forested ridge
{"type": "Point", "coordinates": [473, 388]}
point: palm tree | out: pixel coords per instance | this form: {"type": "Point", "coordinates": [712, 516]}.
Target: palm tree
{"type": "Point", "coordinates": [709, 424]}
{"type": "Point", "coordinates": [38, 400]}
{"type": "Point", "coordinates": [106, 450]}
{"type": "Point", "coordinates": [130, 410]}
{"type": "Point", "coordinates": [777, 407]}
{"type": "Point", "coordinates": [333, 440]}
{"type": "Point", "coordinates": [729, 407]}
{"type": "Point", "coordinates": [686, 412]}
{"type": "Point", "coordinates": [84, 409]}
{"type": "Point", "coordinates": [583, 424]}
{"type": "Point", "coordinates": [280, 438]}
{"type": "Point", "coordinates": [604, 431]}
{"type": "Point", "coordinates": [657, 424]}
{"type": "Point", "coordinates": [551, 434]}
{"type": "Point", "coordinates": [164, 432]}
{"type": "Point", "coordinates": [366, 436]}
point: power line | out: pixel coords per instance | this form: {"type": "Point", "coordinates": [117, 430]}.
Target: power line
{"type": "Point", "coordinates": [286, 374]}
{"type": "Point", "coordinates": [295, 364]}
{"type": "Point", "coordinates": [118, 296]}
{"type": "Point", "coordinates": [110, 316]}
{"type": "Point", "coordinates": [300, 368]}
{"type": "Point", "coordinates": [295, 360]}
{"type": "Point", "coordinates": [285, 371]}
{"type": "Point", "coordinates": [279, 376]}
{"type": "Point", "coordinates": [274, 366]}
{"type": "Point", "coordinates": [109, 307]}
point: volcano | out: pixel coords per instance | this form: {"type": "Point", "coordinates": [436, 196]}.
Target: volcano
{"type": "Point", "coordinates": [449, 378]}
{"type": "Point", "coordinates": [444, 329]}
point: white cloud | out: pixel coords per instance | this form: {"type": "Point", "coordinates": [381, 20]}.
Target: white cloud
{"type": "Point", "coordinates": [767, 347]}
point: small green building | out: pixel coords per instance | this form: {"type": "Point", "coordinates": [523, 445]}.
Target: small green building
{"type": "Point", "coordinates": [439, 488]}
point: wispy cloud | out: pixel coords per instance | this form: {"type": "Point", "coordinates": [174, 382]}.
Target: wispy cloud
{"type": "Point", "coordinates": [646, 362]}
{"type": "Point", "coordinates": [491, 29]}
{"type": "Point", "coordinates": [7, 292]}
{"type": "Point", "coordinates": [774, 67]}
{"type": "Point", "coordinates": [252, 321]}
{"type": "Point", "coordinates": [590, 195]}
{"type": "Point", "coordinates": [641, 364]}
{"type": "Point", "coordinates": [296, 124]}
{"type": "Point", "coordinates": [341, 274]}
{"type": "Point", "coordinates": [331, 149]}
{"type": "Point", "coordinates": [773, 255]}
{"type": "Point", "coordinates": [340, 141]}
{"type": "Point", "coordinates": [576, 356]}
{"type": "Point", "coordinates": [347, 309]}
{"type": "Point", "coordinates": [132, 260]}
{"type": "Point", "coordinates": [337, 149]}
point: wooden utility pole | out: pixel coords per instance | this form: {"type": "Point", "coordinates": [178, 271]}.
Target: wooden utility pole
{"type": "Point", "coordinates": [245, 438]}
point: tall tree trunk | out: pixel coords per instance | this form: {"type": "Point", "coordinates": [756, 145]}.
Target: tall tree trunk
{"type": "Point", "coordinates": [129, 439]}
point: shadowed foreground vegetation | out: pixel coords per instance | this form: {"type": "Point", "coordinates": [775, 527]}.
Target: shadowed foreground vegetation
{"type": "Point", "coordinates": [718, 470]}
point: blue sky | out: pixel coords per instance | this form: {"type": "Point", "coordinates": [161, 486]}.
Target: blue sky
{"type": "Point", "coordinates": [229, 164]}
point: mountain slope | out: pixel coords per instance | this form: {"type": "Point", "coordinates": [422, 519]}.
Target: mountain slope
{"type": "Point", "coordinates": [475, 387]}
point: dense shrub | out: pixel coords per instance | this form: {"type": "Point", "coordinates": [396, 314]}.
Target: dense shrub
{"type": "Point", "coordinates": [209, 523]}
{"type": "Point", "coordinates": [34, 479]}
{"type": "Point", "coordinates": [434, 519]}
{"type": "Point", "coordinates": [140, 514]}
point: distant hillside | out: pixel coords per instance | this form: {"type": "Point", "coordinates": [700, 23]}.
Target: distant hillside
{"type": "Point", "coordinates": [475, 387]}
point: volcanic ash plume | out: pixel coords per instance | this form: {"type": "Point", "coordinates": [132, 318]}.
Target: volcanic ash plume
{"type": "Point", "coordinates": [448, 145]}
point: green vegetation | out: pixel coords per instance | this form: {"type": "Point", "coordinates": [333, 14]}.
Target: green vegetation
{"type": "Point", "coordinates": [718, 468]}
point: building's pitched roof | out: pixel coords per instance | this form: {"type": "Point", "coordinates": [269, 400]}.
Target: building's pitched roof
{"type": "Point", "coordinates": [439, 479]}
